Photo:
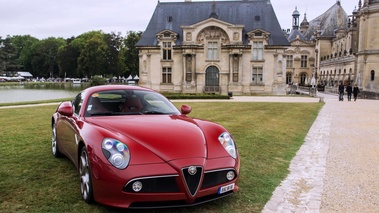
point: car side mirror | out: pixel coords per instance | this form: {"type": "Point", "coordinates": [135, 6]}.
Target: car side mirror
{"type": "Point", "coordinates": [185, 109]}
{"type": "Point", "coordinates": [66, 109]}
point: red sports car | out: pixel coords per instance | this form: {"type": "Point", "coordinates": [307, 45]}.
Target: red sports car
{"type": "Point", "coordinates": [134, 149]}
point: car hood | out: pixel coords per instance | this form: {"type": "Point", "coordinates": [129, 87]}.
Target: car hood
{"type": "Point", "coordinates": [170, 137]}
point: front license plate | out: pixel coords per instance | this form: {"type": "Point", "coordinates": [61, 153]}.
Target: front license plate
{"type": "Point", "coordinates": [226, 188]}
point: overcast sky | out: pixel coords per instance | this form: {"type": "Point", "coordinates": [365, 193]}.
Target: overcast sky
{"type": "Point", "coordinates": [66, 18]}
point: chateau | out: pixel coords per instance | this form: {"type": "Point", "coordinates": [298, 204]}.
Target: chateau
{"type": "Point", "coordinates": [239, 47]}
{"type": "Point", "coordinates": [214, 47]}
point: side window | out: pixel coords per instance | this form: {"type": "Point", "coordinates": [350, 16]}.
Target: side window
{"type": "Point", "coordinates": [77, 103]}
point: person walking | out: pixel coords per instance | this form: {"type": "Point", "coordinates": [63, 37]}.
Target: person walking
{"type": "Point", "coordinates": [355, 92]}
{"type": "Point", "coordinates": [341, 89]}
{"type": "Point", "coordinates": [349, 90]}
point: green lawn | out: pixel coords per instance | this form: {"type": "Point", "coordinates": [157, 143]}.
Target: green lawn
{"type": "Point", "coordinates": [268, 136]}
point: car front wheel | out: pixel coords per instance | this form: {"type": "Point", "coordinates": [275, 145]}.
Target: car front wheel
{"type": "Point", "coordinates": [54, 142]}
{"type": "Point", "coordinates": [85, 177]}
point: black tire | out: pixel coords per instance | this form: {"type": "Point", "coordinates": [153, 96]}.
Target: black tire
{"type": "Point", "coordinates": [54, 142]}
{"type": "Point", "coordinates": [85, 177]}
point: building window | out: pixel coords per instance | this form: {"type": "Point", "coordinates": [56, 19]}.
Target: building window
{"type": "Point", "coordinates": [303, 79]}
{"type": "Point", "coordinates": [212, 50]}
{"type": "Point", "coordinates": [258, 50]}
{"type": "Point", "coordinates": [372, 75]}
{"type": "Point", "coordinates": [304, 61]}
{"type": "Point", "coordinates": [166, 75]}
{"type": "Point", "coordinates": [188, 68]}
{"type": "Point", "coordinates": [235, 68]}
{"type": "Point", "coordinates": [289, 61]}
{"type": "Point", "coordinates": [167, 49]}
{"type": "Point", "coordinates": [257, 75]}
{"type": "Point", "coordinates": [288, 78]}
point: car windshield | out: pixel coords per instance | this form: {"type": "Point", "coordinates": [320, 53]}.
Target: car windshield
{"type": "Point", "coordinates": [128, 102]}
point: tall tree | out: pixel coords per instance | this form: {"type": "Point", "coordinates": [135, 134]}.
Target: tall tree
{"type": "Point", "coordinates": [130, 53]}
{"type": "Point", "coordinates": [8, 55]}
{"type": "Point", "coordinates": [44, 57]}
{"type": "Point", "coordinates": [115, 62]}
{"type": "Point", "coordinates": [68, 60]}
{"type": "Point", "coordinates": [23, 45]}
{"type": "Point", "coordinates": [93, 54]}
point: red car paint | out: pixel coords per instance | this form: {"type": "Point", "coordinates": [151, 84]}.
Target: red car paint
{"type": "Point", "coordinates": [162, 147]}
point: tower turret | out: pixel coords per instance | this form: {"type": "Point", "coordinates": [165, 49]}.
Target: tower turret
{"type": "Point", "coordinates": [295, 19]}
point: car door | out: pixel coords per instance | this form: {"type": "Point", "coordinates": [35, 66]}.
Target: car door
{"type": "Point", "coordinates": [69, 133]}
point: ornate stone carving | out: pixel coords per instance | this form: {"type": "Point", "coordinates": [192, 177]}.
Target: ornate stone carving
{"type": "Point", "coordinates": [212, 33]}
{"type": "Point", "coordinates": [188, 36]}
{"type": "Point", "coordinates": [236, 36]}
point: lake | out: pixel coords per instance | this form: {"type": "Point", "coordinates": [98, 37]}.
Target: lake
{"type": "Point", "coordinates": [39, 92]}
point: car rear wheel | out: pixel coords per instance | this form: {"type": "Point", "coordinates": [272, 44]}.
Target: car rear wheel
{"type": "Point", "coordinates": [54, 142]}
{"type": "Point", "coordinates": [85, 177]}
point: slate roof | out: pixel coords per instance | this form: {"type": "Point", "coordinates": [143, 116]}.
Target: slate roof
{"type": "Point", "coordinates": [335, 18]}
{"type": "Point", "coordinates": [241, 12]}
{"type": "Point", "coordinates": [295, 34]}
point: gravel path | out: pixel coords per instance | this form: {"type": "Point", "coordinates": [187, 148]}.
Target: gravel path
{"type": "Point", "coordinates": [336, 170]}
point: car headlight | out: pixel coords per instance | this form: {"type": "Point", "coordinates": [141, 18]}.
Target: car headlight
{"type": "Point", "coordinates": [117, 153]}
{"type": "Point", "coordinates": [227, 142]}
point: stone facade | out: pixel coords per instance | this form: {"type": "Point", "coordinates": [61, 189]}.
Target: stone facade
{"type": "Point", "coordinates": [368, 46]}
{"type": "Point", "coordinates": [214, 55]}
{"type": "Point", "coordinates": [300, 56]}
{"type": "Point", "coordinates": [193, 47]}
{"type": "Point", "coordinates": [346, 47]}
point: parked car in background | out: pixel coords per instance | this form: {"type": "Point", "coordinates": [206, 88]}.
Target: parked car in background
{"type": "Point", "coordinates": [134, 149]}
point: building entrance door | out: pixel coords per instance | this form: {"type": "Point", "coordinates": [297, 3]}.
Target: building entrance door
{"type": "Point", "coordinates": [212, 80]}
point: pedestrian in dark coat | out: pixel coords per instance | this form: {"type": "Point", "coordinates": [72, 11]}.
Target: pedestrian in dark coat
{"type": "Point", "coordinates": [355, 92]}
{"type": "Point", "coordinates": [341, 89]}
{"type": "Point", "coordinates": [349, 90]}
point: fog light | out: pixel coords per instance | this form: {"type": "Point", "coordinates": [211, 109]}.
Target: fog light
{"type": "Point", "coordinates": [137, 186]}
{"type": "Point", "coordinates": [230, 175]}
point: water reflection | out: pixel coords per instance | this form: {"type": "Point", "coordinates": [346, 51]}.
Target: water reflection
{"type": "Point", "coordinates": [37, 92]}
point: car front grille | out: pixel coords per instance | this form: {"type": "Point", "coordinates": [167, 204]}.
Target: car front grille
{"type": "Point", "coordinates": [168, 183]}
{"type": "Point", "coordinates": [216, 177]}
{"type": "Point", "coordinates": [192, 180]}
{"type": "Point", "coordinates": [157, 184]}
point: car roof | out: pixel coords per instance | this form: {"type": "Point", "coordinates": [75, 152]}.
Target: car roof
{"type": "Point", "coordinates": [93, 89]}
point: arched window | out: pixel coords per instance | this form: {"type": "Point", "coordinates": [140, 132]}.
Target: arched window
{"type": "Point", "coordinates": [372, 75]}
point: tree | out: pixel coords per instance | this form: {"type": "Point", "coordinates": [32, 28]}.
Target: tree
{"type": "Point", "coordinates": [23, 45]}
{"type": "Point", "coordinates": [68, 59]}
{"type": "Point", "coordinates": [93, 54]}
{"type": "Point", "coordinates": [44, 57]}
{"type": "Point", "coordinates": [8, 55]}
{"type": "Point", "coordinates": [130, 53]}
{"type": "Point", "coordinates": [115, 61]}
